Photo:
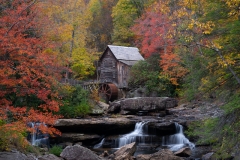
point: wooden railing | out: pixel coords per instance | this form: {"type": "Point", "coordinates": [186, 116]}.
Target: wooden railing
{"type": "Point", "coordinates": [87, 85]}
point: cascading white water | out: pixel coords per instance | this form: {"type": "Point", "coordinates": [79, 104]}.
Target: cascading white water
{"type": "Point", "coordinates": [178, 140]}
{"type": "Point", "coordinates": [99, 144]}
{"type": "Point", "coordinates": [37, 138]}
{"type": "Point", "coordinates": [132, 137]}
{"type": "Point", "coordinates": [139, 135]}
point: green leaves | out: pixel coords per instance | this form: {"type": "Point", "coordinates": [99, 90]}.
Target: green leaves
{"type": "Point", "coordinates": [75, 102]}
{"type": "Point", "coordinates": [124, 14]}
{"type": "Point", "coordinates": [149, 74]}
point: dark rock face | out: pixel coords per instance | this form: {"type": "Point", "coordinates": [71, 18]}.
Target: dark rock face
{"type": "Point", "coordinates": [150, 104]}
{"type": "Point", "coordinates": [163, 154]}
{"type": "Point", "coordinates": [162, 128]}
{"type": "Point", "coordinates": [95, 125]}
{"type": "Point", "coordinates": [77, 137]}
{"type": "Point", "coordinates": [78, 152]}
{"type": "Point", "coordinates": [125, 152]}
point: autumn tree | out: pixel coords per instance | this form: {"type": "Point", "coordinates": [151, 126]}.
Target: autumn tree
{"type": "Point", "coordinates": [69, 31]}
{"type": "Point", "coordinates": [213, 31]}
{"type": "Point", "coordinates": [155, 34]}
{"type": "Point", "coordinates": [223, 43]}
{"type": "Point", "coordinates": [124, 14]}
{"type": "Point", "coordinates": [206, 33]}
{"type": "Point", "coordinates": [27, 76]}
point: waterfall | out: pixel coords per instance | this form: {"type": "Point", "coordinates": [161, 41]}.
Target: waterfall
{"type": "Point", "coordinates": [99, 145]}
{"type": "Point", "coordinates": [37, 138]}
{"type": "Point", "coordinates": [139, 134]}
{"type": "Point", "coordinates": [178, 140]}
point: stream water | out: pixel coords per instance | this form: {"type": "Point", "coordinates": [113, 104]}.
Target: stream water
{"type": "Point", "coordinates": [139, 135]}
{"type": "Point", "coordinates": [146, 143]}
{"type": "Point", "coordinates": [37, 138]}
{"type": "Point", "coordinates": [178, 140]}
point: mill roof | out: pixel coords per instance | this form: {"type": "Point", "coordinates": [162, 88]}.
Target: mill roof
{"type": "Point", "coordinates": [126, 53]}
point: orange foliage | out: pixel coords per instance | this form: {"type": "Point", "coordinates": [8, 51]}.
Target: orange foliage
{"type": "Point", "coordinates": [25, 69]}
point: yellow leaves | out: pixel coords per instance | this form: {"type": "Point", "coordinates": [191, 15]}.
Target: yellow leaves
{"type": "Point", "coordinates": [182, 12]}
{"type": "Point", "coordinates": [165, 9]}
{"type": "Point", "coordinates": [228, 60]}
{"type": "Point", "coordinates": [82, 63]}
{"type": "Point", "coordinates": [68, 31]}
{"type": "Point", "coordinates": [232, 3]}
{"type": "Point", "coordinates": [190, 25]}
{"type": "Point", "coordinates": [188, 38]}
{"type": "Point", "coordinates": [65, 32]}
{"type": "Point", "coordinates": [216, 44]}
{"type": "Point", "coordinates": [234, 8]}
{"type": "Point", "coordinates": [207, 27]}
{"type": "Point", "coordinates": [66, 89]}
{"type": "Point", "coordinates": [174, 24]}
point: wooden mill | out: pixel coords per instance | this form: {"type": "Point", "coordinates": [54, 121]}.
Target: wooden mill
{"type": "Point", "coordinates": [114, 69]}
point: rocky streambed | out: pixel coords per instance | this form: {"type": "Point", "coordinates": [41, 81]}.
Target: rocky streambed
{"type": "Point", "coordinates": [160, 113]}
{"type": "Point", "coordinates": [160, 116]}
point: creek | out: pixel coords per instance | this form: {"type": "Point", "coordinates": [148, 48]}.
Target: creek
{"type": "Point", "coordinates": [146, 143]}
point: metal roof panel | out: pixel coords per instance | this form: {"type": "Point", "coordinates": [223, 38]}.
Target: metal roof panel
{"type": "Point", "coordinates": [126, 53]}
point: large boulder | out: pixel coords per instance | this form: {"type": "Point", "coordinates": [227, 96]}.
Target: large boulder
{"type": "Point", "coordinates": [125, 152]}
{"type": "Point", "coordinates": [96, 125]}
{"type": "Point", "coordinates": [114, 107]}
{"type": "Point", "coordinates": [163, 154]}
{"type": "Point", "coordinates": [14, 155]}
{"type": "Point", "coordinates": [103, 105]}
{"type": "Point", "coordinates": [49, 157]}
{"type": "Point", "coordinates": [149, 104]}
{"type": "Point", "coordinates": [78, 152]}
{"type": "Point", "coordinates": [183, 152]}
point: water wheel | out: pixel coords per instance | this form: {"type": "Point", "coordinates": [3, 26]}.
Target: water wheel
{"type": "Point", "coordinates": [108, 92]}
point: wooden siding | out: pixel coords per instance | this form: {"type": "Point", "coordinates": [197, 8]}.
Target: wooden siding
{"type": "Point", "coordinates": [115, 63]}
{"type": "Point", "coordinates": [123, 75]}
{"type": "Point", "coordinates": [108, 68]}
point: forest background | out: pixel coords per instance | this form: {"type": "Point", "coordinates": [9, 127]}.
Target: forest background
{"type": "Point", "coordinates": [191, 49]}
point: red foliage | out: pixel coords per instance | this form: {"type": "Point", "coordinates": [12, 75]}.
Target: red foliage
{"type": "Point", "coordinates": [24, 67]}
{"type": "Point", "coordinates": [154, 33]}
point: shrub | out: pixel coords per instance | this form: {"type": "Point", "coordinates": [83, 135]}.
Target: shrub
{"type": "Point", "coordinates": [12, 136]}
{"type": "Point", "coordinates": [148, 73]}
{"type": "Point", "coordinates": [75, 102]}
{"type": "Point", "coordinates": [56, 150]}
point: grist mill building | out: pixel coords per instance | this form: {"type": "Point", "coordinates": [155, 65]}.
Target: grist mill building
{"type": "Point", "coordinates": [114, 66]}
